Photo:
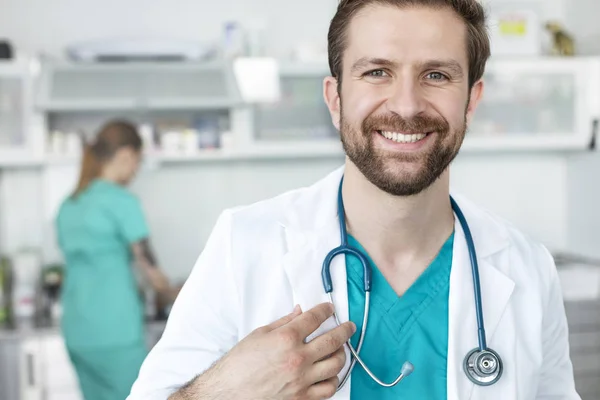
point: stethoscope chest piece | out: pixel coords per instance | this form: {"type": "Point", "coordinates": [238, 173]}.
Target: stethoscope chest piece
{"type": "Point", "coordinates": [483, 367]}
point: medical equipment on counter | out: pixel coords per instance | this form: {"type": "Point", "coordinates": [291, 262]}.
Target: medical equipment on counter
{"type": "Point", "coordinates": [483, 366]}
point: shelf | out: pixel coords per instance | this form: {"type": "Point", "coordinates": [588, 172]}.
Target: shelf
{"type": "Point", "coordinates": [518, 144]}
{"type": "Point", "coordinates": [303, 150]}
{"type": "Point", "coordinates": [267, 151]}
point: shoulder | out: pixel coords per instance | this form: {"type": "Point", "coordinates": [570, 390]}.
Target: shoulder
{"type": "Point", "coordinates": [64, 208]}
{"type": "Point", "coordinates": [117, 197]}
{"type": "Point", "coordinates": [522, 254]}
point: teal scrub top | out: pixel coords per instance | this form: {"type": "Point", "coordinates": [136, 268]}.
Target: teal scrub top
{"type": "Point", "coordinates": [100, 298]}
{"type": "Point", "coordinates": [412, 327]}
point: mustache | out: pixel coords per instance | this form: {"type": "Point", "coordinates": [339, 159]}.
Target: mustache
{"type": "Point", "coordinates": [395, 123]}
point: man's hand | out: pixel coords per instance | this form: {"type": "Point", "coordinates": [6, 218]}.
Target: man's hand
{"type": "Point", "coordinates": [274, 362]}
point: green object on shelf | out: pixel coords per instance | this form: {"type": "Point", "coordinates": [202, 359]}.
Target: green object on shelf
{"type": "Point", "coordinates": [5, 289]}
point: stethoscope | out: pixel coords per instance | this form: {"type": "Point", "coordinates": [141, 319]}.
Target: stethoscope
{"type": "Point", "coordinates": [482, 365]}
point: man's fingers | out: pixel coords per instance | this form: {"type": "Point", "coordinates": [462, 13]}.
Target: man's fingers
{"type": "Point", "coordinates": [323, 390]}
{"type": "Point", "coordinates": [327, 368]}
{"type": "Point", "coordinates": [331, 341]}
{"type": "Point", "coordinates": [310, 320]}
{"type": "Point", "coordinates": [285, 319]}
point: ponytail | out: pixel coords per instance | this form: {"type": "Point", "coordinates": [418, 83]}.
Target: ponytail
{"type": "Point", "coordinates": [90, 169]}
{"type": "Point", "coordinates": [113, 135]}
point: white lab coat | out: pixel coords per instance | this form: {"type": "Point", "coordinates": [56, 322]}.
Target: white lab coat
{"type": "Point", "coordinates": [262, 259]}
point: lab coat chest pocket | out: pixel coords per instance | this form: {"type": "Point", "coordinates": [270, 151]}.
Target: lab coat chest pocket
{"type": "Point", "coordinates": [303, 264]}
{"type": "Point", "coordinates": [325, 327]}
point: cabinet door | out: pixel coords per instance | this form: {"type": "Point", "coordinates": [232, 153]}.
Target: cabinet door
{"type": "Point", "coordinates": [12, 103]}
{"type": "Point", "coordinates": [59, 375]}
{"type": "Point", "coordinates": [10, 351]}
{"type": "Point", "coordinates": [30, 370]}
{"type": "Point", "coordinates": [546, 103]}
{"type": "Point", "coordinates": [300, 114]}
{"type": "Point", "coordinates": [19, 128]}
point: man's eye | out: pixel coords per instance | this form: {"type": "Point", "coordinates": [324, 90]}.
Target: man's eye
{"type": "Point", "coordinates": [377, 73]}
{"type": "Point", "coordinates": [436, 76]}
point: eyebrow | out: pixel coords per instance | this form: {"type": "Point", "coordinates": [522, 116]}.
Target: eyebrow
{"type": "Point", "coordinates": [365, 62]}
{"type": "Point", "coordinates": [449, 64]}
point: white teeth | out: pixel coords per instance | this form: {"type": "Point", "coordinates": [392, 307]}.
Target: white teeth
{"type": "Point", "coordinates": [402, 138]}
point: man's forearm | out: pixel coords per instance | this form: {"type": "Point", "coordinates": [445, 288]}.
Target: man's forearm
{"type": "Point", "coordinates": [206, 386]}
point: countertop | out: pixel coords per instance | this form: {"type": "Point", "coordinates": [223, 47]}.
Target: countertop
{"type": "Point", "coordinates": [28, 330]}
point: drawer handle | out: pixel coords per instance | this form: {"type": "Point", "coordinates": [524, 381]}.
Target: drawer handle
{"type": "Point", "coordinates": [30, 370]}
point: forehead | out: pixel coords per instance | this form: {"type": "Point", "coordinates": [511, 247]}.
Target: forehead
{"type": "Point", "coordinates": [406, 34]}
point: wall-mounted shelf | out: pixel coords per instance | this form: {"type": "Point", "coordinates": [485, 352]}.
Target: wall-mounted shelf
{"type": "Point", "coordinates": [272, 151]}
{"type": "Point", "coordinates": [291, 151]}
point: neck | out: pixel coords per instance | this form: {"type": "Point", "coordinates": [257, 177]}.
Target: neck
{"type": "Point", "coordinates": [397, 231]}
{"type": "Point", "coordinates": [110, 174]}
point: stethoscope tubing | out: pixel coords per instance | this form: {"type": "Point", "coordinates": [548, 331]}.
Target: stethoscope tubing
{"type": "Point", "coordinates": [407, 367]}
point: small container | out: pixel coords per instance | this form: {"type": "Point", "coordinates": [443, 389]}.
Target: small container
{"type": "Point", "coordinates": [147, 133]}
{"type": "Point", "coordinates": [57, 143]}
{"type": "Point", "coordinates": [208, 133]}
{"type": "Point", "coordinates": [190, 141]}
{"type": "Point", "coordinates": [227, 141]}
{"type": "Point", "coordinates": [234, 41]}
{"type": "Point", "coordinates": [72, 143]}
{"type": "Point", "coordinates": [171, 142]}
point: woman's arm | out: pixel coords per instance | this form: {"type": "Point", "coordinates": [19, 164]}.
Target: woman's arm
{"type": "Point", "coordinates": [146, 262]}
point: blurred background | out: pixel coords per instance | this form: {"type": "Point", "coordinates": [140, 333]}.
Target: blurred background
{"type": "Point", "coordinates": [227, 97]}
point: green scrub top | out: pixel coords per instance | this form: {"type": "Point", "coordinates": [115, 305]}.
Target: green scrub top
{"type": "Point", "coordinates": [101, 302]}
{"type": "Point", "coordinates": [411, 327]}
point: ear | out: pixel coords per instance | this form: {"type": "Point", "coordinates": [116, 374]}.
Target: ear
{"type": "Point", "coordinates": [332, 99]}
{"type": "Point", "coordinates": [476, 95]}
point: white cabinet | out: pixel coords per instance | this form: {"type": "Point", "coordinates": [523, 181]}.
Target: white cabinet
{"type": "Point", "coordinates": [537, 104]}
{"type": "Point", "coordinates": [30, 370]}
{"type": "Point", "coordinates": [59, 377]}
{"type": "Point", "coordinates": [45, 371]}
{"type": "Point", "coordinates": [300, 114]}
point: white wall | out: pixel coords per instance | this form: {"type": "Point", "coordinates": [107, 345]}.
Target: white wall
{"type": "Point", "coordinates": [528, 190]}
{"type": "Point", "coordinates": [584, 205]}
{"type": "Point", "coordinates": [48, 26]}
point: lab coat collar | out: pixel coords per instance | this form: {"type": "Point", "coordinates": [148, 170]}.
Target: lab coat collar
{"type": "Point", "coordinates": [315, 209]}
{"type": "Point", "coordinates": [312, 230]}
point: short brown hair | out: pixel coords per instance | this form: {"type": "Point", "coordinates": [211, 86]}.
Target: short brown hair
{"type": "Point", "coordinates": [470, 11]}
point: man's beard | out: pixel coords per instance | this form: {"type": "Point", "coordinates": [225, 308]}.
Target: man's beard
{"type": "Point", "coordinates": [385, 170]}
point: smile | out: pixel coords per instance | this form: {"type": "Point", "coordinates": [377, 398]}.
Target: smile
{"type": "Point", "coordinates": [401, 137]}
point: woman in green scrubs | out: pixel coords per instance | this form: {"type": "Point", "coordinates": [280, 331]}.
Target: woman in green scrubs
{"type": "Point", "coordinates": [102, 231]}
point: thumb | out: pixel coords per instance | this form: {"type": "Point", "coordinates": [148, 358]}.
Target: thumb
{"type": "Point", "coordinates": [285, 319]}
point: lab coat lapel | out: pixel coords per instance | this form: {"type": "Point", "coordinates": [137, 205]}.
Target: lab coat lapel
{"type": "Point", "coordinates": [311, 232]}
{"type": "Point", "coordinates": [496, 290]}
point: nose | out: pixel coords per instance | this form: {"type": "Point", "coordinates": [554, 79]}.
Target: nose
{"type": "Point", "coordinates": [406, 99]}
